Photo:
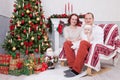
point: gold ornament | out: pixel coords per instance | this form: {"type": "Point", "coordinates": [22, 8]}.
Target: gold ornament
{"type": "Point", "coordinates": [13, 16]}
{"type": "Point", "coordinates": [21, 43]}
{"type": "Point", "coordinates": [27, 11]}
{"type": "Point", "coordinates": [39, 29]}
{"type": "Point", "coordinates": [19, 6]}
{"type": "Point", "coordinates": [36, 7]}
{"type": "Point", "coordinates": [32, 38]}
{"type": "Point", "coordinates": [9, 41]}
{"type": "Point", "coordinates": [14, 48]}
{"type": "Point", "coordinates": [29, 22]}
{"type": "Point", "coordinates": [38, 19]}
{"type": "Point", "coordinates": [18, 23]}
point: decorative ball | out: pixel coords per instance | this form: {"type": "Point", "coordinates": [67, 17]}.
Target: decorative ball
{"type": "Point", "coordinates": [21, 43]}
{"type": "Point", "coordinates": [14, 48]}
{"type": "Point", "coordinates": [36, 50]}
{"type": "Point", "coordinates": [9, 41]}
{"type": "Point", "coordinates": [29, 22]}
{"type": "Point", "coordinates": [24, 31]}
{"type": "Point", "coordinates": [19, 6]}
{"type": "Point", "coordinates": [11, 21]}
{"type": "Point", "coordinates": [22, 22]}
{"type": "Point", "coordinates": [38, 19]}
{"type": "Point", "coordinates": [36, 7]}
{"type": "Point", "coordinates": [31, 15]}
{"type": "Point", "coordinates": [22, 14]}
{"type": "Point", "coordinates": [38, 37]}
{"type": "Point", "coordinates": [13, 16]}
{"type": "Point", "coordinates": [27, 11]}
{"type": "Point", "coordinates": [32, 38]}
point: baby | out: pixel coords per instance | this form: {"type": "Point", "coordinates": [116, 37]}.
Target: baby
{"type": "Point", "coordinates": [86, 34]}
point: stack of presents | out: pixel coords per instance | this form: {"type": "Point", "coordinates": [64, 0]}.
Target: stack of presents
{"type": "Point", "coordinates": [29, 64]}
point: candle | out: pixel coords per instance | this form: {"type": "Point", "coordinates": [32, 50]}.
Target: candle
{"type": "Point", "coordinates": [71, 8]}
{"type": "Point", "coordinates": [29, 30]}
{"type": "Point", "coordinates": [68, 7]}
{"type": "Point", "coordinates": [65, 8]}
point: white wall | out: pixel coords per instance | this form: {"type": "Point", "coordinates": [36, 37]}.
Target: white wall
{"type": "Point", "coordinates": [104, 10]}
{"type": "Point", "coordinates": [6, 7]}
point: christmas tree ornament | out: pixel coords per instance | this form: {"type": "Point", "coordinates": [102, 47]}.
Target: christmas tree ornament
{"type": "Point", "coordinates": [38, 37]}
{"type": "Point", "coordinates": [22, 14]}
{"type": "Point", "coordinates": [38, 19]}
{"type": "Point", "coordinates": [22, 22]}
{"type": "Point", "coordinates": [27, 11]}
{"type": "Point", "coordinates": [9, 41]}
{"type": "Point", "coordinates": [13, 16]}
{"type": "Point", "coordinates": [40, 29]}
{"type": "Point", "coordinates": [15, 10]}
{"type": "Point", "coordinates": [19, 38]}
{"type": "Point", "coordinates": [14, 48]}
{"type": "Point", "coordinates": [36, 7]}
{"type": "Point", "coordinates": [36, 50]}
{"type": "Point", "coordinates": [11, 21]}
{"type": "Point", "coordinates": [24, 31]}
{"type": "Point", "coordinates": [19, 6]}
{"type": "Point", "coordinates": [29, 22]}
{"type": "Point", "coordinates": [21, 43]}
{"type": "Point", "coordinates": [31, 15]}
{"type": "Point", "coordinates": [32, 38]}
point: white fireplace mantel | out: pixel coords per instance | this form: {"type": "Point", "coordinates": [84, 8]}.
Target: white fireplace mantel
{"type": "Point", "coordinates": [55, 22]}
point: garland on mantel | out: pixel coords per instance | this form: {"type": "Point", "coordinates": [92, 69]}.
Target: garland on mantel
{"type": "Point", "coordinates": [49, 23]}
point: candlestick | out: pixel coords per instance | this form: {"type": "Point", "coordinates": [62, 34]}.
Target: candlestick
{"type": "Point", "coordinates": [71, 8]}
{"type": "Point", "coordinates": [68, 8]}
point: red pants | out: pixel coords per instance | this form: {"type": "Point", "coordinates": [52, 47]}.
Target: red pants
{"type": "Point", "coordinates": [76, 62]}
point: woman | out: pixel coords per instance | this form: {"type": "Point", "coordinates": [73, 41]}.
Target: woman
{"type": "Point", "coordinates": [71, 34]}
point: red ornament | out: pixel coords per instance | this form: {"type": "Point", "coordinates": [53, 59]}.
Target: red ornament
{"type": "Point", "coordinates": [22, 14]}
{"type": "Point", "coordinates": [26, 52]}
{"type": "Point", "coordinates": [22, 22]}
{"type": "Point", "coordinates": [19, 38]}
{"type": "Point", "coordinates": [14, 5]}
{"type": "Point", "coordinates": [41, 23]}
{"type": "Point", "coordinates": [12, 33]}
{"type": "Point", "coordinates": [38, 37]}
{"type": "Point", "coordinates": [36, 50]}
{"type": "Point", "coordinates": [15, 10]}
{"type": "Point", "coordinates": [11, 21]}
{"type": "Point", "coordinates": [24, 31]}
{"type": "Point", "coordinates": [30, 15]}
{"type": "Point", "coordinates": [12, 27]}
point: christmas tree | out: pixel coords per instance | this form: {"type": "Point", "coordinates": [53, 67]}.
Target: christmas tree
{"type": "Point", "coordinates": [28, 33]}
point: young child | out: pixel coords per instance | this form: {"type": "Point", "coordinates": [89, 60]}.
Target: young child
{"type": "Point", "coordinates": [86, 34]}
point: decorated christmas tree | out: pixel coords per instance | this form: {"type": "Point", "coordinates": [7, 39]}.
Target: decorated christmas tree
{"type": "Point", "coordinates": [28, 33]}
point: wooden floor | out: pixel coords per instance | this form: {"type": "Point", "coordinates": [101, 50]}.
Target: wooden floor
{"type": "Point", "coordinates": [109, 72]}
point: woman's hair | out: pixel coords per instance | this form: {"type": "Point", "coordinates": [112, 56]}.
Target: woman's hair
{"type": "Point", "coordinates": [78, 21]}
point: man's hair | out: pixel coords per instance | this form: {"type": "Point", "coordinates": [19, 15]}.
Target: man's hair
{"type": "Point", "coordinates": [90, 14]}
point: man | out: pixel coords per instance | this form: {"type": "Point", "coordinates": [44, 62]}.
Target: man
{"type": "Point", "coordinates": [78, 62]}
